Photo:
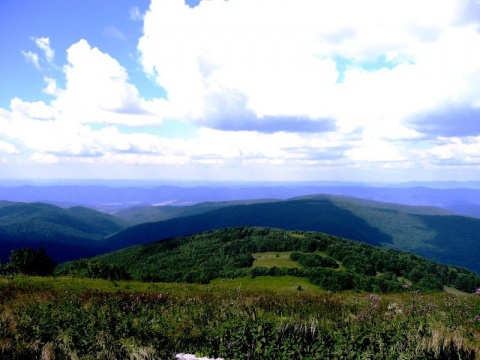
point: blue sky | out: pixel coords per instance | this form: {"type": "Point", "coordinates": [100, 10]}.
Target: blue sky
{"type": "Point", "coordinates": [240, 90]}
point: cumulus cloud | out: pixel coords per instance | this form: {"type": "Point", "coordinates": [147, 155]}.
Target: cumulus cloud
{"type": "Point", "coordinates": [231, 51]}
{"type": "Point", "coordinates": [38, 110]}
{"type": "Point", "coordinates": [285, 64]}
{"type": "Point", "coordinates": [97, 90]}
{"type": "Point", "coordinates": [51, 85]}
{"type": "Point", "coordinates": [294, 86]}
{"type": "Point", "coordinates": [54, 140]}
{"type": "Point", "coordinates": [454, 152]}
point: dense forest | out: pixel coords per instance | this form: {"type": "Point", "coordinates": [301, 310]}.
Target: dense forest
{"type": "Point", "coordinates": [78, 232]}
{"type": "Point", "coordinates": [428, 232]}
{"type": "Point", "coordinates": [330, 262]}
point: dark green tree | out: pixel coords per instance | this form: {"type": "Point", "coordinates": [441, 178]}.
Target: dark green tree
{"type": "Point", "coordinates": [30, 262]}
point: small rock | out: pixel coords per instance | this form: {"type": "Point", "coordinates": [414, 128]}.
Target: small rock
{"type": "Point", "coordinates": [193, 357]}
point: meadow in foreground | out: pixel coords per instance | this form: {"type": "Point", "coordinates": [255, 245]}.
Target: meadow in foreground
{"type": "Point", "coordinates": [66, 318]}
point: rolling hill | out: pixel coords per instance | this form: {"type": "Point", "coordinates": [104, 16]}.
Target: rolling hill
{"type": "Point", "coordinates": [330, 262]}
{"type": "Point", "coordinates": [430, 232]}
{"type": "Point", "coordinates": [77, 232]}
{"type": "Point", "coordinates": [64, 233]}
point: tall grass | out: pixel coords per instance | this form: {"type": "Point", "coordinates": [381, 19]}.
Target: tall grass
{"type": "Point", "coordinates": [41, 321]}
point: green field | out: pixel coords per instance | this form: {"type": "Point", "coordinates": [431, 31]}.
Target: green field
{"type": "Point", "coordinates": [280, 284]}
{"type": "Point", "coordinates": [278, 259]}
{"type": "Point", "coordinates": [283, 284]}
{"type": "Point", "coordinates": [245, 318]}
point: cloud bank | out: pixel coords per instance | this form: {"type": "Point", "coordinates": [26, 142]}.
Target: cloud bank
{"type": "Point", "coordinates": [302, 89]}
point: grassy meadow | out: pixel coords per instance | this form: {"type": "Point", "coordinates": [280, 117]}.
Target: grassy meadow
{"type": "Point", "coordinates": [254, 318]}
{"type": "Point", "coordinates": [278, 259]}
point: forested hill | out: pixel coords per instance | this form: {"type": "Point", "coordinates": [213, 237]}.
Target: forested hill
{"type": "Point", "coordinates": [330, 262]}
{"type": "Point", "coordinates": [79, 232]}
{"type": "Point", "coordinates": [426, 231]}
{"type": "Point", "coordinates": [64, 233]}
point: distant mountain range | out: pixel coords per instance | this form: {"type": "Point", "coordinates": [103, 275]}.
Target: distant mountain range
{"type": "Point", "coordinates": [463, 201]}
{"type": "Point", "coordinates": [76, 232]}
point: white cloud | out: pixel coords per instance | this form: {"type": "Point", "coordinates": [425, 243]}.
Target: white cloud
{"type": "Point", "coordinates": [38, 110]}
{"type": "Point", "coordinates": [44, 45]}
{"type": "Point", "coordinates": [32, 57]}
{"type": "Point", "coordinates": [308, 88]}
{"type": "Point", "coordinates": [456, 151]}
{"type": "Point", "coordinates": [285, 62]}
{"type": "Point", "coordinates": [51, 87]}
{"type": "Point", "coordinates": [97, 91]}
{"type": "Point", "coordinates": [7, 148]}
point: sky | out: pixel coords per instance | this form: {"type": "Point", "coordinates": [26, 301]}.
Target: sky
{"type": "Point", "coordinates": [243, 90]}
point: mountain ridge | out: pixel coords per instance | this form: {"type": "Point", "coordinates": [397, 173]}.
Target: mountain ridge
{"type": "Point", "coordinates": [433, 236]}
{"type": "Point", "coordinates": [462, 200]}
{"type": "Point", "coordinates": [80, 232]}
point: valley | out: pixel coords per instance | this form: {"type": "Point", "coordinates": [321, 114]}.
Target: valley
{"type": "Point", "coordinates": [76, 232]}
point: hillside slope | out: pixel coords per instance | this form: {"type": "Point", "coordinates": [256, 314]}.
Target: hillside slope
{"type": "Point", "coordinates": [330, 262]}
{"type": "Point", "coordinates": [141, 214]}
{"type": "Point", "coordinates": [426, 231]}
{"type": "Point", "coordinates": [64, 233]}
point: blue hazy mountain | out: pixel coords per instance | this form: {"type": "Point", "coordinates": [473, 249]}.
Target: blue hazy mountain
{"type": "Point", "coordinates": [461, 200]}
{"type": "Point", "coordinates": [64, 233]}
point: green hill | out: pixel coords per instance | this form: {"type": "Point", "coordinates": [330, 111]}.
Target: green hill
{"type": "Point", "coordinates": [64, 233]}
{"type": "Point", "coordinates": [430, 232]}
{"type": "Point", "coordinates": [141, 214]}
{"type": "Point", "coordinates": [327, 261]}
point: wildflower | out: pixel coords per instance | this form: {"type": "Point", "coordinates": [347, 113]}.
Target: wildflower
{"type": "Point", "coordinates": [160, 296]}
